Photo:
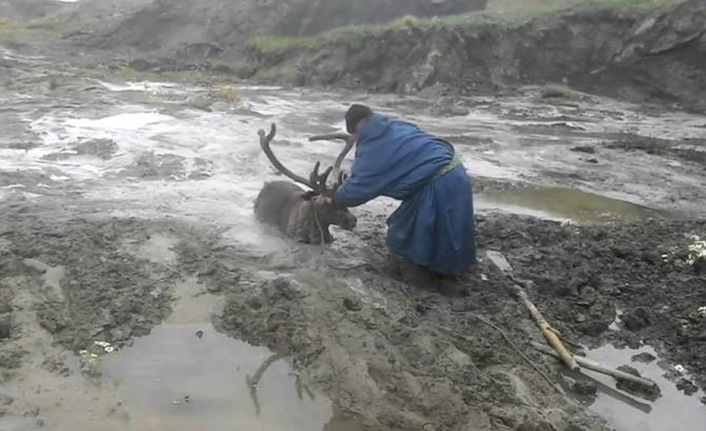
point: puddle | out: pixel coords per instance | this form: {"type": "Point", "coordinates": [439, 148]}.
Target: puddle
{"type": "Point", "coordinates": [194, 304]}
{"type": "Point", "coordinates": [52, 275]}
{"type": "Point", "coordinates": [159, 249]}
{"type": "Point", "coordinates": [563, 203]}
{"type": "Point", "coordinates": [673, 410]}
{"type": "Point", "coordinates": [187, 376]}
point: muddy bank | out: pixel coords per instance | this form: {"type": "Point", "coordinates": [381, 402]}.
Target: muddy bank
{"type": "Point", "coordinates": [389, 355]}
{"type": "Point", "coordinates": [86, 278]}
{"type": "Point", "coordinates": [653, 57]}
{"type": "Point", "coordinates": [584, 275]}
{"type": "Point", "coordinates": [404, 357]}
{"type": "Point", "coordinates": [216, 27]}
{"type": "Point", "coordinates": [644, 54]}
{"type": "Point", "coordinates": [76, 290]}
{"type": "Point", "coordinates": [28, 8]}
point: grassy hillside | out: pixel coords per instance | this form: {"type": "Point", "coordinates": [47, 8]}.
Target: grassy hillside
{"type": "Point", "coordinates": [503, 12]}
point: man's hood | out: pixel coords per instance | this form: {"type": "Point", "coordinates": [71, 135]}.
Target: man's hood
{"type": "Point", "coordinates": [374, 127]}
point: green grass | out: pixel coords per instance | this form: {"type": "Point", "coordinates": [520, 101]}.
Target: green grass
{"type": "Point", "coordinates": [495, 16]}
{"type": "Point", "coordinates": [549, 6]}
{"type": "Point", "coordinates": [11, 31]}
{"type": "Point", "coordinates": [56, 25]}
{"type": "Point", "coordinates": [182, 77]}
{"type": "Point", "coordinates": [644, 6]}
{"type": "Point", "coordinates": [558, 95]}
{"type": "Point", "coordinates": [21, 31]}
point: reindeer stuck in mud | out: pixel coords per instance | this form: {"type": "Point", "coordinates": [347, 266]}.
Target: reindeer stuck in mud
{"type": "Point", "coordinates": [303, 215]}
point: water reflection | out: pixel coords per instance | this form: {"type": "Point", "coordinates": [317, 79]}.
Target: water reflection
{"type": "Point", "coordinates": [177, 379]}
{"type": "Point", "coordinates": [673, 410]}
{"type": "Point", "coordinates": [557, 202]}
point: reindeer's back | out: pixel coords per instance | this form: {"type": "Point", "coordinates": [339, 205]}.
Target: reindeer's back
{"type": "Point", "coordinates": [275, 200]}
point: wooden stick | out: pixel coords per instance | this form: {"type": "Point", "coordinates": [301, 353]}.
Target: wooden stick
{"type": "Point", "coordinates": [611, 392]}
{"type": "Point", "coordinates": [498, 259]}
{"type": "Point", "coordinates": [547, 330]}
{"type": "Point", "coordinates": [595, 366]}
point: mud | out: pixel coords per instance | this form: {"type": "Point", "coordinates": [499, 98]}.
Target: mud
{"type": "Point", "coordinates": [136, 237]}
{"type": "Point", "coordinates": [388, 350]}
{"type": "Point", "coordinates": [631, 55]}
{"type": "Point", "coordinates": [583, 273]}
{"type": "Point", "coordinates": [214, 28]}
{"type": "Point", "coordinates": [693, 150]}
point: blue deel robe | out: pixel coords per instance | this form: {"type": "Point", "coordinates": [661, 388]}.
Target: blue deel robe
{"type": "Point", "coordinates": [434, 225]}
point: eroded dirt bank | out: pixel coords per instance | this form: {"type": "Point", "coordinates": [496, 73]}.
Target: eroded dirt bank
{"type": "Point", "coordinates": [641, 52]}
{"type": "Point", "coordinates": [638, 56]}
{"type": "Point", "coordinates": [160, 26]}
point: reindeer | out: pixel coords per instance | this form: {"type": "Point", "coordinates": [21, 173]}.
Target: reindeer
{"type": "Point", "coordinates": [303, 215]}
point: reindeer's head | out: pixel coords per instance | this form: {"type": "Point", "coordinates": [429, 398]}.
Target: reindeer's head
{"type": "Point", "coordinates": [320, 195]}
{"type": "Point", "coordinates": [329, 214]}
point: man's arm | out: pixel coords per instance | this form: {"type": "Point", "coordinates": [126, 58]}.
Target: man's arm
{"type": "Point", "coordinates": [370, 177]}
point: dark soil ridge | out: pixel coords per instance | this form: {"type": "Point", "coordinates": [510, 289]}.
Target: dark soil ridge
{"type": "Point", "coordinates": [614, 52]}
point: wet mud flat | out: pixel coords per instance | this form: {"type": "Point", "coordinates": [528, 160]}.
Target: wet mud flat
{"type": "Point", "coordinates": [387, 355]}
{"type": "Point", "coordinates": [137, 291]}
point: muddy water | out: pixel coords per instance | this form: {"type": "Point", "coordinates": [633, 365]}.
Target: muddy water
{"type": "Point", "coordinates": [673, 410]}
{"type": "Point", "coordinates": [173, 158]}
{"type": "Point", "coordinates": [186, 376]}
{"type": "Point", "coordinates": [562, 203]}
{"type": "Point", "coordinates": [189, 377]}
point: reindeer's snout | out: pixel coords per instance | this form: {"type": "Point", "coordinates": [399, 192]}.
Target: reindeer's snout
{"type": "Point", "coordinates": [348, 221]}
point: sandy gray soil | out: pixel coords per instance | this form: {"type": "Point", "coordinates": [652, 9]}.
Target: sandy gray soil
{"type": "Point", "coordinates": [127, 219]}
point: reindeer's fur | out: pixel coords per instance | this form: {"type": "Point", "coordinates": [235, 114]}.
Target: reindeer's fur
{"type": "Point", "coordinates": [305, 216]}
{"type": "Point", "coordinates": [299, 214]}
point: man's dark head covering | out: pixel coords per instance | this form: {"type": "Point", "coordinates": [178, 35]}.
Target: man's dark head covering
{"type": "Point", "coordinates": [355, 114]}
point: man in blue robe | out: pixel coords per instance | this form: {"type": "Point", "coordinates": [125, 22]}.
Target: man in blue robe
{"type": "Point", "coordinates": [433, 227]}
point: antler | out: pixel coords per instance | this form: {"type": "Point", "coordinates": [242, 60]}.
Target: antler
{"type": "Point", "coordinates": [349, 139]}
{"type": "Point", "coordinates": [316, 181]}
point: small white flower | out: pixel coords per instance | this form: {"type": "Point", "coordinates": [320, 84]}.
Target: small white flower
{"type": "Point", "coordinates": [110, 349]}
{"type": "Point", "coordinates": [697, 250]}
{"type": "Point", "coordinates": [680, 368]}
{"type": "Point", "coordinates": [702, 311]}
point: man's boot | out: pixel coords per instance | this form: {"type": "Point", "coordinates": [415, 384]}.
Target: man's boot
{"type": "Point", "coordinates": [409, 272]}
